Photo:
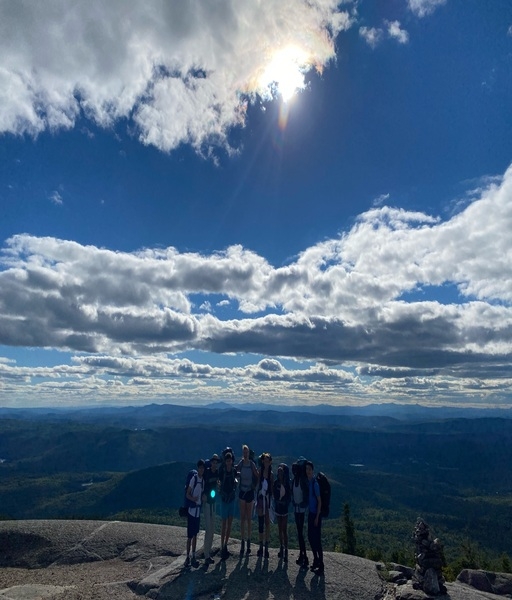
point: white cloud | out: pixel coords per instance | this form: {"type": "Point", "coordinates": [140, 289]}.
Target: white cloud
{"type": "Point", "coordinates": [371, 35]}
{"type": "Point", "coordinates": [396, 32]}
{"type": "Point", "coordinates": [182, 70]}
{"type": "Point", "coordinates": [387, 252]}
{"type": "Point", "coordinates": [56, 198]}
{"type": "Point", "coordinates": [341, 302]}
{"type": "Point", "coordinates": [422, 8]}
{"type": "Point", "coordinates": [379, 201]}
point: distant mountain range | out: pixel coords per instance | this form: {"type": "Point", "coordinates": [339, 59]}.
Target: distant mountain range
{"type": "Point", "coordinates": [153, 415]}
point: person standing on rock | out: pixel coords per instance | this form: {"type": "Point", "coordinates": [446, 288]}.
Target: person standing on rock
{"type": "Point", "coordinates": [315, 520]}
{"type": "Point", "coordinates": [264, 495]}
{"type": "Point", "coordinates": [195, 493]}
{"type": "Point", "coordinates": [227, 482]}
{"type": "Point", "coordinates": [248, 474]}
{"type": "Point", "coordinates": [211, 478]}
{"type": "Point", "coordinates": [300, 497]}
{"type": "Point", "coordinates": [282, 494]}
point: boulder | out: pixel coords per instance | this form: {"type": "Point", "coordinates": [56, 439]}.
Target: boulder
{"type": "Point", "coordinates": [486, 581]}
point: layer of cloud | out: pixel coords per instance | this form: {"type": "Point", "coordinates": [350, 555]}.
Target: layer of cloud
{"type": "Point", "coordinates": [181, 71]}
{"type": "Point", "coordinates": [371, 300]}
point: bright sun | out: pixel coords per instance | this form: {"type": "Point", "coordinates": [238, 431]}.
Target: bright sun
{"type": "Point", "coordinates": [285, 73]}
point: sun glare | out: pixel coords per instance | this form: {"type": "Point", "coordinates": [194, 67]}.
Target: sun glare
{"type": "Point", "coordinates": [285, 73]}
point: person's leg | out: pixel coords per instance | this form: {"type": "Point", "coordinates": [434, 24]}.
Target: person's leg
{"type": "Point", "coordinates": [285, 536]}
{"type": "Point", "coordinates": [320, 570]}
{"type": "Point", "coordinates": [209, 512]}
{"type": "Point", "coordinates": [228, 528]}
{"type": "Point", "coordinates": [249, 507]}
{"type": "Point", "coordinates": [187, 559]}
{"type": "Point", "coordinates": [312, 538]}
{"type": "Point", "coordinates": [299, 525]}
{"type": "Point", "coordinates": [279, 519]}
{"type": "Point", "coordinates": [195, 530]}
{"type": "Point", "coordinates": [267, 530]}
{"type": "Point", "coordinates": [190, 535]}
{"type": "Point", "coordinates": [242, 519]}
{"type": "Point", "coordinates": [223, 528]}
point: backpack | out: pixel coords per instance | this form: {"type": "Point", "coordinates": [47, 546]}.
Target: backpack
{"type": "Point", "coordinates": [325, 493]}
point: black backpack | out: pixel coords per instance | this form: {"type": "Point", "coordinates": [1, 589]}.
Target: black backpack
{"type": "Point", "coordinates": [325, 493]}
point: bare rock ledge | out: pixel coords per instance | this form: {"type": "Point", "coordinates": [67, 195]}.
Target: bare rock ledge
{"type": "Point", "coordinates": [100, 560]}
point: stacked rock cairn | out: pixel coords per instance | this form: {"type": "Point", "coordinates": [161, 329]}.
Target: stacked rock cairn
{"type": "Point", "coordinates": [428, 575]}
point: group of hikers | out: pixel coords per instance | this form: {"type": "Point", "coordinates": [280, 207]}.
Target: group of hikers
{"type": "Point", "coordinates": [257, 489]}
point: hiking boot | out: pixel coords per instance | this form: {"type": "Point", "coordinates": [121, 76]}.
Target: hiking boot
{"type": "Point", "coordinates": [187, 562]}
{"type": "Point", "coordinates": [285, 557]}
{"type": "Point", "coordinates": [248, 546]}
{"type": "Point", "coordinates": [305, 561]}
{"type": "Point", "coordinates": [194, 562]}
{"type": "Point", "coordinates": [267, 555]}
{"type": "Point", "coordinates": [280, 554]}
{"type": "Point", "coordinates": [242, 548]}
{"type": "Point", "coordinates": [209, 561]}
{"type": "Point", "coordinates": [319, 570]}
{"type": "Point", "coordinates": [300, 560]}
{"type": "Point", "coordinates": [260, 550]}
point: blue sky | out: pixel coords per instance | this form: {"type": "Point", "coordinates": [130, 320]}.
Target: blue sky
{"type": "Point", "coordinates": [284, 201]}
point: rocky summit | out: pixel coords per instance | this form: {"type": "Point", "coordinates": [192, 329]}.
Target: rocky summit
{"type": "Point", "coordinates": [79, 560]}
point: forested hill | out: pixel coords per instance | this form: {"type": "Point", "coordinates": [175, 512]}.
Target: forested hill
{"type": "Point", "coordinates": [131, 463]}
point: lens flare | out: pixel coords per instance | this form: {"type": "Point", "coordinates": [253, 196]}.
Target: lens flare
{"type": "Point", "coordinates": [284, 75]}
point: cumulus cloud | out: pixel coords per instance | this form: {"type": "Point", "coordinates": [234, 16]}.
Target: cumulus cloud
{"type": "Point", "coordinates": [396, 32]}
{"type": "Point", "coordinates": [181, 71]}
{"type": "Point", "coordinates": [371, 35]}
{"type": "Point", "coordinates": [422, 8]}
{"type": "Point", "coordinates": [351, 302]}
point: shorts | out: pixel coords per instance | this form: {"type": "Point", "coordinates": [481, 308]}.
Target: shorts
{"type": "Point", "coordinates": [227, 509]}
{"type": "Point", "coordinates": [192, 526]}
{"type": "Point", "coordinates": [247, 496]}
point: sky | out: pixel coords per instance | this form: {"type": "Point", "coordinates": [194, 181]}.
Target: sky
{"type": "Point", "coordinates": [279, 201]}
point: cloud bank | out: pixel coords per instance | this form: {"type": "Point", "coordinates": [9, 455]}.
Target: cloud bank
{"type": "Point", "coordinates": [181, 72]}
{"type": "Point", "coordinates": [371, 313]}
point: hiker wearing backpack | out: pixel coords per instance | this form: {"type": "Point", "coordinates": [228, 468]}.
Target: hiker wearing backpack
{"type": "Point", "coordinates": [248, 476]}
{"type": "Point", "coordinates": [195, 496]}
{"type": "Point", "coordinates": [315, 520]}
{"type": "Point", "coordinates": [300, 500]}
{"type": "Point", "coordinates": [282, 495]}
{"type": "Point", "coordinates": [264, 495]}
{"type": "Point", "coordinates": [228, 482]}
{"type": "Point", "coordinates": [211, 478]}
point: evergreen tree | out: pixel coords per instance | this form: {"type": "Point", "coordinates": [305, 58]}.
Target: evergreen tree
{"type": "Point", "coordinates": [348, 534]}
